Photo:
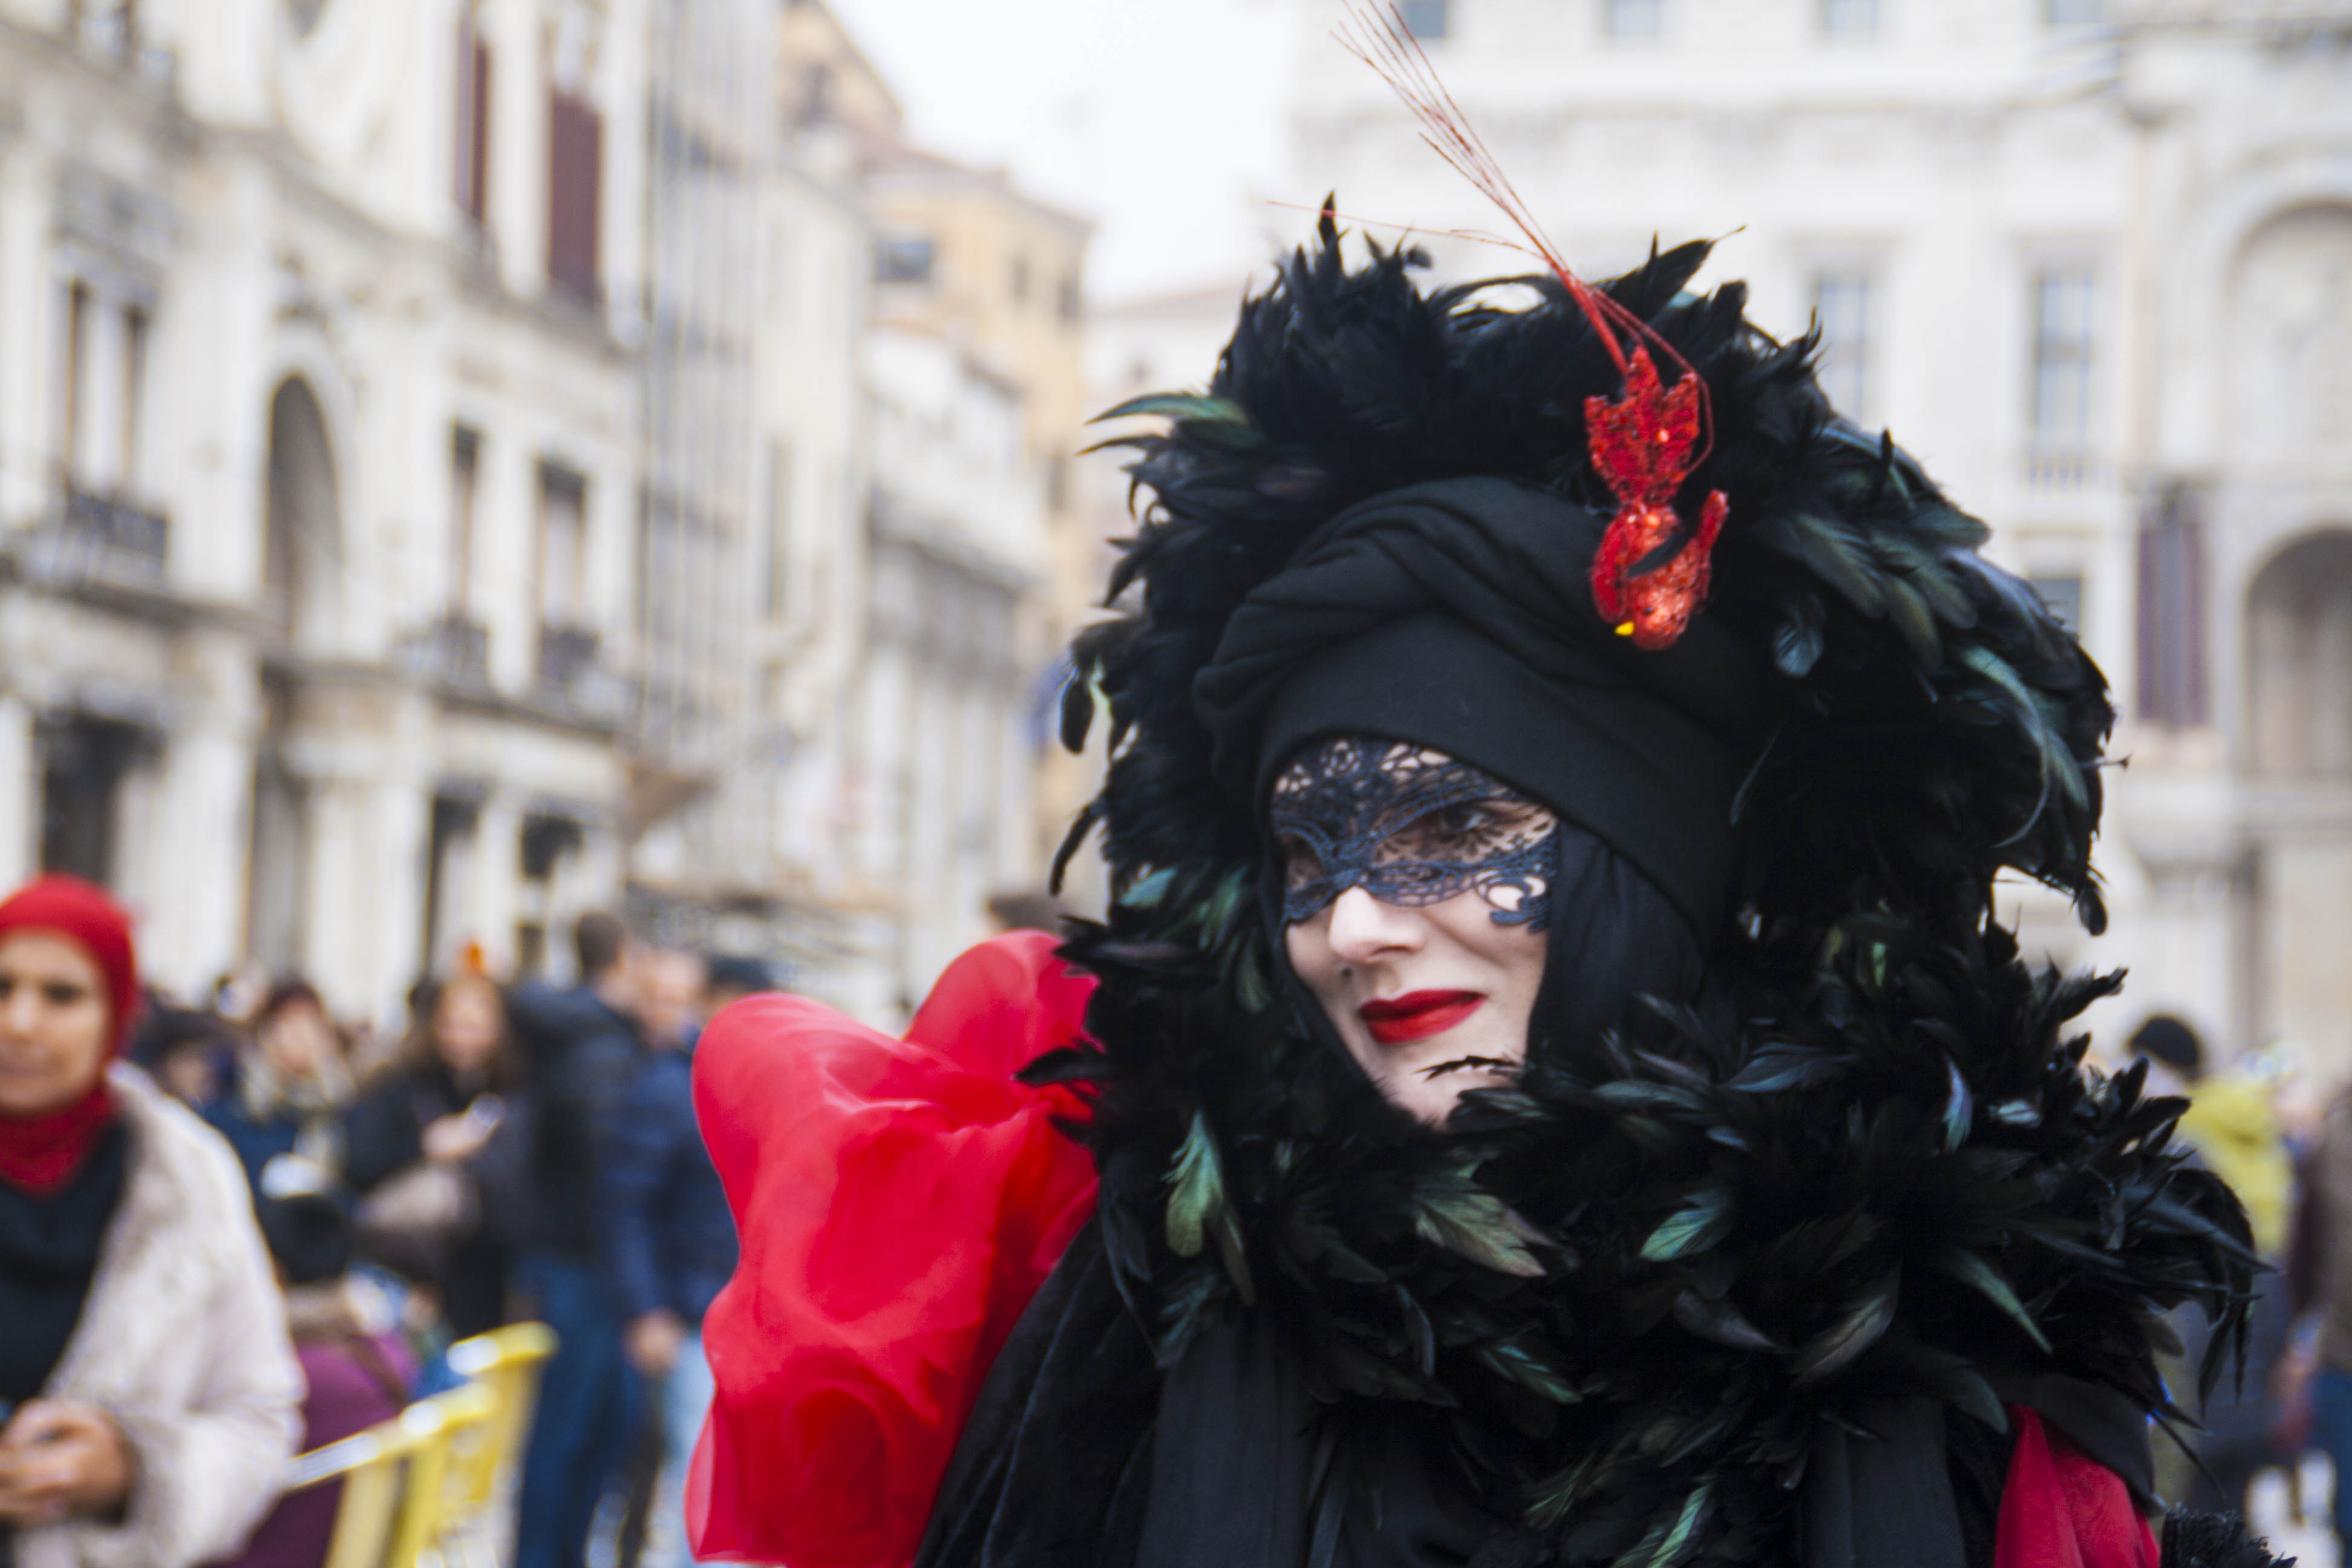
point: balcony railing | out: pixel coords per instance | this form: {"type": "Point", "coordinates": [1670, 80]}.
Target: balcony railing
{"type": "Point", "coordinates": [2061, 471]}
{"type": "Point", "coordinates": [95, 538]}
{"type": "Point", "coordinates": [572, 677]}
{"type": "Point", "coordinates": [452, 651]}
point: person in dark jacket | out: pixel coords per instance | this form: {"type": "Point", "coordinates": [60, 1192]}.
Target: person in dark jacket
{"type": "Point", "coordinates": [436, 1104]}
{"type": "Point", "coordinates": [583, 1051]}
{"type": "Point", "coordinates": [672, 1238]}
{"type": "Point", "coordinates": [185, 1049]}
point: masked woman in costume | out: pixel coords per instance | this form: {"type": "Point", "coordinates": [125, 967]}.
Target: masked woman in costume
{"type": "Point", "coordinates": [1550, 1088]}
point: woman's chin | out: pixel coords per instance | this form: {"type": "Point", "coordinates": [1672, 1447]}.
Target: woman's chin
{"type": "Point", "coordinates": [1428, 1082]}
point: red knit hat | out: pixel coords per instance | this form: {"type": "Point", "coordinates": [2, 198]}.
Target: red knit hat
{"type": "Point", "coordinates": [84, 914]}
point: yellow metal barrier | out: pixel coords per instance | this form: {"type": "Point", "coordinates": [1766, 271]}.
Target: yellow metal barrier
{"type": "Point", "coordinates": [372, 1466]}
{"type": "Point", "coordinates": [507, 1362]}
{"type": "Point", "coordinates": [413, 1483]}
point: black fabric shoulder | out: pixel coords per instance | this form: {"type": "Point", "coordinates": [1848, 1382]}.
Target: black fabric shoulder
{"type": "Point", "coordinates": [1052, 1463]}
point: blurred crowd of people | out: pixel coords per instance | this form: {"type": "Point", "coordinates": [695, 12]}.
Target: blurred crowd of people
{"type": "Point", "coordinates": [2280, 1136]}
{"type": "Point", "coordinates": [523, 1153]}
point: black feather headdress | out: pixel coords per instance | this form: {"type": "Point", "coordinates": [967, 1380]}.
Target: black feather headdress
{"type": "Point", "coordinates": [1940, 727]}
{"type": "Point", "coordinates": [1638, 1283]}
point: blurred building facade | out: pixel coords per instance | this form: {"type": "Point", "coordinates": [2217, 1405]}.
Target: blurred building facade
{"type": "Point", "coordinates": [2093, 264]}
{"type": "Point", "coordinates": [944, 758]}
{"type": "Point", "coordinates": [435, 467]}
{"type": "Point", "coordinates": [750, 550]}
{"type": "Point", "coordinates": [968, 258]}
{"type": "Point", "coordinates": [952, 793]}
{"type": "Point", "coordinates": [317, 470]}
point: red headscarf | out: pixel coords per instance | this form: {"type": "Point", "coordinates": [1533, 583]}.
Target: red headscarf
{"type": "Point", "coordinates": [41, 1153]}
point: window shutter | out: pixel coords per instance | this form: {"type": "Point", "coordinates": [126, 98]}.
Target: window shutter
{"type": "Point", "coordinates": [575, 138]}
{"type": "Point", "coordinates": [473, 140]}
{"type": "Point", "coordinates": [2172, 612]}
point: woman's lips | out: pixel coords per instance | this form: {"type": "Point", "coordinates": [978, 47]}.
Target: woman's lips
{"type": "Point", "coordinates": [1417, 1014]}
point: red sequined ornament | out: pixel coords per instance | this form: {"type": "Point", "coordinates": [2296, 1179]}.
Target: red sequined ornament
{"type": "Point", "coordinates": [1642, 444]}
{"type": "Point", "coordinates": [1643, 440]}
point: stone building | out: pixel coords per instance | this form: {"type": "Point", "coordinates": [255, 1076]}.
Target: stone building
{"type": "Point", "coordinates": [970, 257]}
{"type": "Point", "coordinates": [432, 480]}
{"type": "Point", "coordinates": [941, 740]}
{"type": "Point", "coordinates": [316, 465]}
{"type": "Point", "coordinates": [750, 565]}
{"type": "Point", "coordinates": [2093, 264]}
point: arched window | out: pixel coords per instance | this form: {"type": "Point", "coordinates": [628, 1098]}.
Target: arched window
{"type": "Point", "coordinates": [2290, 357]}
{"type": "Point", "coordinates": [302, 547]}
{"type": "Point", "coordinates": [2299, 660]}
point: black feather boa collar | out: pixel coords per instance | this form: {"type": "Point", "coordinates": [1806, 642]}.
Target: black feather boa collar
{"type": "Point", "coordinates": [1636, 1282]}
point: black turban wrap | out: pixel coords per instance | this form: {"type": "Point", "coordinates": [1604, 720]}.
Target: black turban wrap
{"type": "Point", "coordinates": [1458, 614]}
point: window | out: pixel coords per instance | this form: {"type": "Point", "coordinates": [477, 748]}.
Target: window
{"type": "Point", "coordinates": [562, 548]}
{"type": "Point", "coordinates": [2061, 596]}
{"type": "Point", "coordinates": [2073, 13]}
{"type": "Point", "coordinates": [2064, 299]}
{"type": "Point", "coordinates": [907, 259]}
{"type": "Point", "coordinates": [1425, 18]}
{"type": "Point", "coordinates": [83, 763]}
{"type": "Point", "coordinates": [103, 382]}
{"type": "Point", "coordinates": [472, 141]}
{"type": "Point", "coordinates": [543, 842]}
{"type": "Point", "coordinates": [1842, 313]}
{"type": "Point", "coordinates": [1071, 303]}
{"type": "Point", "coordinates": [133, 394]}
{"type": "Point", "coordinates": [2172, 610]}
{"type": "Point", "coordinates": [1849, 18]}
{"type": "Point", "coordinates": [1633, 19]}
{"type": "Point", "coordinates": [73, 417]}
{"type": "Point", "coordinates": [110, 27]}
{"type": "Point", "coordinates": [1020, 279]}
{"type": "Point", "coordinates": [575, 141]}
{"type": "Point", "coordinates": [465, 486]}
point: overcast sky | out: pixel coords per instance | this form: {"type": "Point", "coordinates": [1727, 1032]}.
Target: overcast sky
{"type": "Point", "coordinates": [1161, 119]}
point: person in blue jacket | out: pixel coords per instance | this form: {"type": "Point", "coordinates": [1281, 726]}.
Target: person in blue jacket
{"type": "Point", "coordinates": [670, 1236]}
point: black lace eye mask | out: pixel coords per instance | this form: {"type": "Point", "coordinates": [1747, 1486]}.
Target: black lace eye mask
{"type": "Point", "coordinates": [1410, 828]}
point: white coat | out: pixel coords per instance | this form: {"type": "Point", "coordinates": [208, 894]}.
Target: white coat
{"type": "Point", "coordinates": [183, 1341]}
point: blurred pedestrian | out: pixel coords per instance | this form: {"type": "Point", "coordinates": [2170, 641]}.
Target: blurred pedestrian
{"type": "Point", "coordinates": [355, 1367]}
{"type": "Point", "coordinates": [291, 1088]}
{"type": "Point", "coordinates": [2325, 1270]}
{"type": "Point", "coordinates": [414, 1137]}
{"type": "Point", "coordinates": [2230, 1125]}
{"type": "Point", "coordinates": [673, 1239]}
{"type": "Point", "coordinates": [729, 978]}
{"type": "Point", "coordinates": [544, 1182]}
{"type": "Point", "coordinates": [143, 1349]}
{"type": "Point", "coordinates": [185, 1050]}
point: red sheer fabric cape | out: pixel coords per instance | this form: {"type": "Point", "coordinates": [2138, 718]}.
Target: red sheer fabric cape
{"type": "Point", "coordinates": [900, 1203]}
{"type": "Point", "coordinates": [2060, 1509]}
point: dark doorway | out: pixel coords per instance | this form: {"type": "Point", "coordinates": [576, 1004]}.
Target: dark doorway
{"type": "Point", "coordinates": [83, 761]}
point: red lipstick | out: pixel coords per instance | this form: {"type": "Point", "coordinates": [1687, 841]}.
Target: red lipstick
{"type": "Point", "coordinates": [1417, 1014]}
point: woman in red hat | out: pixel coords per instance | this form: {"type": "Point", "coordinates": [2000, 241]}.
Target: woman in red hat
{"type": "Point", "coordinates": [148, 1392]}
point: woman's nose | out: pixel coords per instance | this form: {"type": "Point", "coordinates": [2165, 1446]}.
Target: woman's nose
{"type": "Point", "coordinates": [1362, 927]}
